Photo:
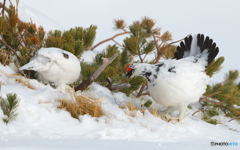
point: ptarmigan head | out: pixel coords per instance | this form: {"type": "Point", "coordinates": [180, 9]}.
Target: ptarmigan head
{"type": "Point", "coordinates": [138, 69]}
{"type": "Point", "coordinates": [131, 70]}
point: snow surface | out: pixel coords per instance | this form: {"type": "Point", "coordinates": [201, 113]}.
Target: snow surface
{"type": "Point", "coordinates": [40, 125]}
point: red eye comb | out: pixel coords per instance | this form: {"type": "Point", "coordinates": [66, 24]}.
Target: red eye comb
{"type": "Point", "coordinates": [128, 68]}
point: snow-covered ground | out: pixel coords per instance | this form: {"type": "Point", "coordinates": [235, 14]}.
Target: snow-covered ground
{"type": "Point", "coordinates": [40, 125]}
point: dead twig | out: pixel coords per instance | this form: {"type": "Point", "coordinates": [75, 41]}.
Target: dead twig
{"type": "Point", "coordinates": [8, 46]}
{"type": "Point", "coordinates": [94, 76]}
{"type": "Point", "coordinates": [206, 99]}
{"type": "Point", "coordinates": [12, 50]}
{"type": "Point", "coordinates": [156, 43]}
{"type": "Point", "coordinates": [146, 93]}
{"type": "Point", "coordinates": [106, 62]}
{"type": "Point", "coordinates": [212, 94]}
{"type": "Point", "coordinates": [117, 43]}
{"type": "Point", "coordinates": [234, 118]}
{"type": "Point", "coordinates": [141, 90]}
{"type": "Point", "coordinates": [10, 1]}
{"type": "Point", "coordinates": [159, 37]}
{"type": "Point", "coordinates": [198, 111]}
{"type": "Point", "coordinates": [159, 54]}
{"type": "Point", "coordinates": [3, 7]}
{"type": "Point", "coordinates": [140, 57]}
{"type": "Point", "coordinates": [17, 3]}
{"type": "Point", "coordinates": [113, 87]}
{"type": "Point", "coordinates": [176, 41]}
{"type": "Point", "coordinates": [108, 39]}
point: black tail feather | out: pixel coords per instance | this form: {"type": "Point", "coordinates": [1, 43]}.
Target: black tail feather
{"type": "Point", "coordinates": [184, 46]}
{"type": "Point", "coordinates": [204, 43]}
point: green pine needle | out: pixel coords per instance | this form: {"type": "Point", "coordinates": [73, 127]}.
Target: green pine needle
{"type": "Point", "coordinates": [228, 95]}
{"type": "Point", "coordinates": [9, 106]}
{"type": "Point", "coordinates": [215, 66]}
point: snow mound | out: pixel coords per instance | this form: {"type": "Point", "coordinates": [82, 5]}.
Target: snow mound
{"type": "Point", "coordinates": [39, 118]}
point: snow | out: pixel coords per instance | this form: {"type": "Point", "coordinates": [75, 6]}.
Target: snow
{"type": "Point", "coordinates": [88, 144]}
{"type": "Point", "coordinates": [40, 124]}
{"type": "Point", "coordinates": [236, 106]}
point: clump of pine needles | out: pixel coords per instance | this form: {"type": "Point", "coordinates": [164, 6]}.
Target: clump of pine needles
{"type": "Point", "coordinates": [9, 106]}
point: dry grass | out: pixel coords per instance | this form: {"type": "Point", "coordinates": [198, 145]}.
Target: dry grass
{"type": "Point", "coordinates": [132, 109]}
{"type": "Point", "coordinates": [155, 113]}
{"type": "Point", "coordinates": [24, 83]}
{"type": "Point", "coordinates": [4, 57]}
{"type": "Point", "coordinates": [19, 78]}
{"type": "Point", "coordinates": [83, 105]}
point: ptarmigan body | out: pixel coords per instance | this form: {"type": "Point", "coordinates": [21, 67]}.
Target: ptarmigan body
{"type": "Point", "coordinates": [55, 65]}
{"type": "Point", "coordinates": [175, 83]}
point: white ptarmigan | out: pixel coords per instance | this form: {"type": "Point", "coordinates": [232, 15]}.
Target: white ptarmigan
{"type": "Point", "coordinates": [177, 82]}
{"type": "Point", "coordinates": [55, 65]}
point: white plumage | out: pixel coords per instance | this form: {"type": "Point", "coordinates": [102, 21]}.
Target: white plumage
{"type": "Point", "coordinates": [55, 65]}
{"type": "Point", "coordinates": [175, 83]}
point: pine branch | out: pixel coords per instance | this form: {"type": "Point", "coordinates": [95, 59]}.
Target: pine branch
{"type": "Point", "coordinates": [159, 54]}
{"type": "Point", "coordinates": [156, 43]}
{"type": "Point", "coordinates": [201, 109]}
{"type": "Point", "coordinates": [8, 46]}
{"type": "Point", "coordinates": [140, 57]}
{"type": "Point", "coordinates": [206, 99]}
{"type": "Point", "coordinates": [11, 3]}
{"type": "Point", "coordinates": [108, 39]}
{"type": "Point", "coordinates": [140, 93]}
{"type": "Point", "coordinates": [176, 41]}
{"type": "Point", "coordinates": [117, 43]}
{"type": "Point", "coordinates": [234, 118]}
{"type": "Point", "coordinates": [3, 7]}
{"type": "Point", "coordinates": [12, 50]}
{"type": "Point", "coordinates": [106, 61]}
{"type": "Point", "coordinates": [8, 107]}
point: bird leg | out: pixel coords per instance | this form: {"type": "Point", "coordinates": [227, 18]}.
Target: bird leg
{"type": "Point", "coordinates": [166, 115]}
{"type": "Point", "coordinates": [182, 112]}
{"type": "Point", "coordinates": [69, 91]}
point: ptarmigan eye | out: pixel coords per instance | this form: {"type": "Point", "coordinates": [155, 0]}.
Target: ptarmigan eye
{"type": "Point", "coordinates": [131, 66]}
{"type": "Point", "coordinates": [65, 55]}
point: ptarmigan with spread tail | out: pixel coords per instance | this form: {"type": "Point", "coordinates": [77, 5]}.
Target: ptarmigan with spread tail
{"type": "Point", "coordinates": [177, 82]}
